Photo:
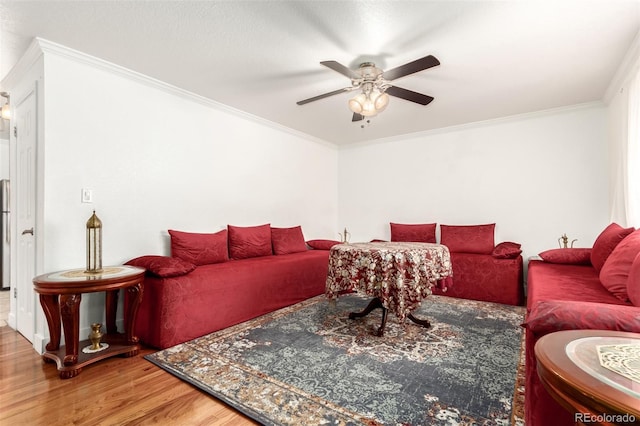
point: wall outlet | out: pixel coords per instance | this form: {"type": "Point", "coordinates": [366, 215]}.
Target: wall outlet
{"type": "Point", "coordinates": [87, 195]}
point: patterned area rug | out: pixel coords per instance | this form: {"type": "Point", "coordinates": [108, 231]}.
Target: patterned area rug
{"type": "Point", "coordinates": [308, 364]}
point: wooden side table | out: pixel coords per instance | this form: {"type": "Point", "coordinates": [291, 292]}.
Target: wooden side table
{"type": "Point", "coordinates": [60, 294]}
{"type": "Point", "coordinates": [570, 369]}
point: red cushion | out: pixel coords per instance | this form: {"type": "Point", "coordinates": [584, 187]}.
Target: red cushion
{"type": "Point", "coordinates": [606, 242]}
{"type": "Point", "coordinates": [163, 266]}
{"type": "Point", "coordinates": [199, 249]}
{"type": "Point", "coordinates": [417, 233]}
{"type": "Point", "coordinates": [506, 250]}
{"type": "Point", "coordinates": [615, 272]}
{"type": "Point", "coordinates": [288, 240]}
{"type": "Point", "coordinates": [249, 241]}
{"type": "Point", "coordinates": [468, 238]}
{"type": "Point", "coordinates": [548, 316]}
{"type": "Point", "coordinates": [568, 256]}
{"type": "Point", "coordinates": [633, 282]}
{"type": "Point", "coordinates": [322, 244]}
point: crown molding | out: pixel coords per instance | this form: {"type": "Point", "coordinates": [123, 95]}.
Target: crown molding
{"type": "Point", "coordinates": [26, 61]}
{"type": "Point", "coordinates": [629, 64]}
{"type": "Point", "coordinates": [40, 47]}
{"type": "Point", "coordinates": [478, 124]}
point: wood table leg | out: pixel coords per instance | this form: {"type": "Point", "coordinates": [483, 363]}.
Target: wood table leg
{"type": "Point", "coordinates": [374, 304]}
{"type": "Point", "coordinates": [110, 307]}
{"type": "Point", "coordinates": [423, 322]}
{"type": "Point", "coordinates": [133, 299]}
{"type": "Point", "coordinates": [51, 308]}
{"type": "Point", "coordinates": [70, 313]}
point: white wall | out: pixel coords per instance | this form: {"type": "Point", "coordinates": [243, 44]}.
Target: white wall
{"type": "Point", "coordinates": [536, 176]}
{"type": "Point", "coordinates": [157, 160]}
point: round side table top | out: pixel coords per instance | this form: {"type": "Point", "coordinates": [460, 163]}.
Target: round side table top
{"type": "Point", "coordinates": [107, 273]}
{"type": "Point", "coordinates": [594, 368]}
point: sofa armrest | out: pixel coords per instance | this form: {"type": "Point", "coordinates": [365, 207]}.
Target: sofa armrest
{"type": "Point", "coordinates": [548, 316]}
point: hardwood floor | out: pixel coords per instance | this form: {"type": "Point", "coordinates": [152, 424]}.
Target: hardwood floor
{"type": "Point", "coordinates": [122, 391]}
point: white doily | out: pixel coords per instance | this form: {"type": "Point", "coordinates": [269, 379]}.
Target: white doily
{"type": "Point", "coordinates": [88, 350]}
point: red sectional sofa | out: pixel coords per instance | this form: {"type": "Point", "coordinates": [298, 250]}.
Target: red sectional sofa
{"type": "Point", "coordinates": [481, 269]}
{"type": "Point", "coordinates": [213, 281]}
{"type": "Point", "coordinates": [571, 289]}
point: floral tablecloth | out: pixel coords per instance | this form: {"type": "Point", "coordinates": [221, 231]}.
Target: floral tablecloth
{"type": "Point", "coordinates": [401, 275]}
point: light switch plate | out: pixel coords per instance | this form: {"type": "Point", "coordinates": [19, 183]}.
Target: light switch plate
{"type": "Point", "coordinates": [87, 195]}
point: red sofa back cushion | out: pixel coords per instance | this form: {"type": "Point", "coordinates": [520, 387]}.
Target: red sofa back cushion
{"type": "Point", "coordinates": [468, 238]}
{"type": "Point", "coordinates": [288, 240]}
{"type": "Point", "coordinates": [633, 282]}
{"type": "Point", "coordinates": [199, 249]}
{"type": "Point", "coordinates": [416, 233]}
{"type": "Point", "coordinates": [249, 241]}
{"type": "Point", "coordinates": [615, 272]}
{"type": "Point", "coordinates": [606, 242]}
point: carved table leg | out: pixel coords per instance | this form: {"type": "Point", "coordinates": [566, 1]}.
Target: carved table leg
{"type": "Point", "coordinates": [374, 304]}
{"type": "Point", "coordinates": [70, 312]}
{"type": "Point", "coordinates": [51, 310]}
{"type": "Point", "coordinates": [424, 323]}
{"type": "Point", "coordinates": [110, 307]}
{"type": "Point", "coordinates": [134, 298]}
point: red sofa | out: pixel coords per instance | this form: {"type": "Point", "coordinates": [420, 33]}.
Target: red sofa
{"type": "Point", "coordinates": [213, 281]}
{"type": "Point", "coordinates": [571, 289]}
{"type": "Point", "coordinates": [481, 269]}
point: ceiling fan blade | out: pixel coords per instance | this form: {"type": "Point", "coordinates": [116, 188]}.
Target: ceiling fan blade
{"type": "Point", "coordinates": [412, 67]}
{"type": "Point", "coordinates": [357, 117]}
{"type": "Point", "coordinates": [324, 95]}
{"type": "Point", "coordinates": [409, 95]}
{"type": "Point", "coordinates": [338, 67]}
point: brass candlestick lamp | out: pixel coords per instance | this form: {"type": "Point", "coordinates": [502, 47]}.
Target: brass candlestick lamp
{"type": "Point", "coordinates": [94, 245]}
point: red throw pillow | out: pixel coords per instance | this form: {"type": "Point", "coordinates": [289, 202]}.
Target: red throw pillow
{"type": "Point", "coordinates": [606, 242]}
{"type": "Point", "coordinates": [163, 266]}
{"type": "Point", "coordinates": [199, 249]}
{"type": "Point", "coordinates": [322, 244]}
{"type": "Point", "coordinates": [417, 233]}
{"type": "Point", "coordinates": [468, 238]}
{"type": "Point", "coordinates": [288, 240]}
{"type": "Point", "coordinates": [615, 272]}
{"type": "Point", "coordinates": [633, 282]}
{"type": "Point", "coordinates": [506, 250]}
{"type": "Point", "coordinates": [249, 241]}
{"type": "Point", "coordinates": [567, 256]}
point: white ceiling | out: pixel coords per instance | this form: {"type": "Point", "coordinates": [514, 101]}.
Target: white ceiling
{"type": "Point", "coordinates": [498, 58]}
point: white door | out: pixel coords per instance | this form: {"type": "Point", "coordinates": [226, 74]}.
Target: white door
{"type": "Point", "coordinates": [25, 213]}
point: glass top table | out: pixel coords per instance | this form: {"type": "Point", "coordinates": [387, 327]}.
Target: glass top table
{"type": "Point", "coordinates": [594, 372]}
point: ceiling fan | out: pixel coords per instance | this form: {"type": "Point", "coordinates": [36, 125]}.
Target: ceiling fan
{"type": "Point", "coordinates": [375, 85]}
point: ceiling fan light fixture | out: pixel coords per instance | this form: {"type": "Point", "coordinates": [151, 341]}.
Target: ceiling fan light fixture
{"type": "Point", "coordinates": [381, 102]}
{"type": "Point", "coordinates": [369, 104]}
{"type": "Point", "coordinates": [356, 104]}
{"type": "Point", "coordinates": [369, 108]}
